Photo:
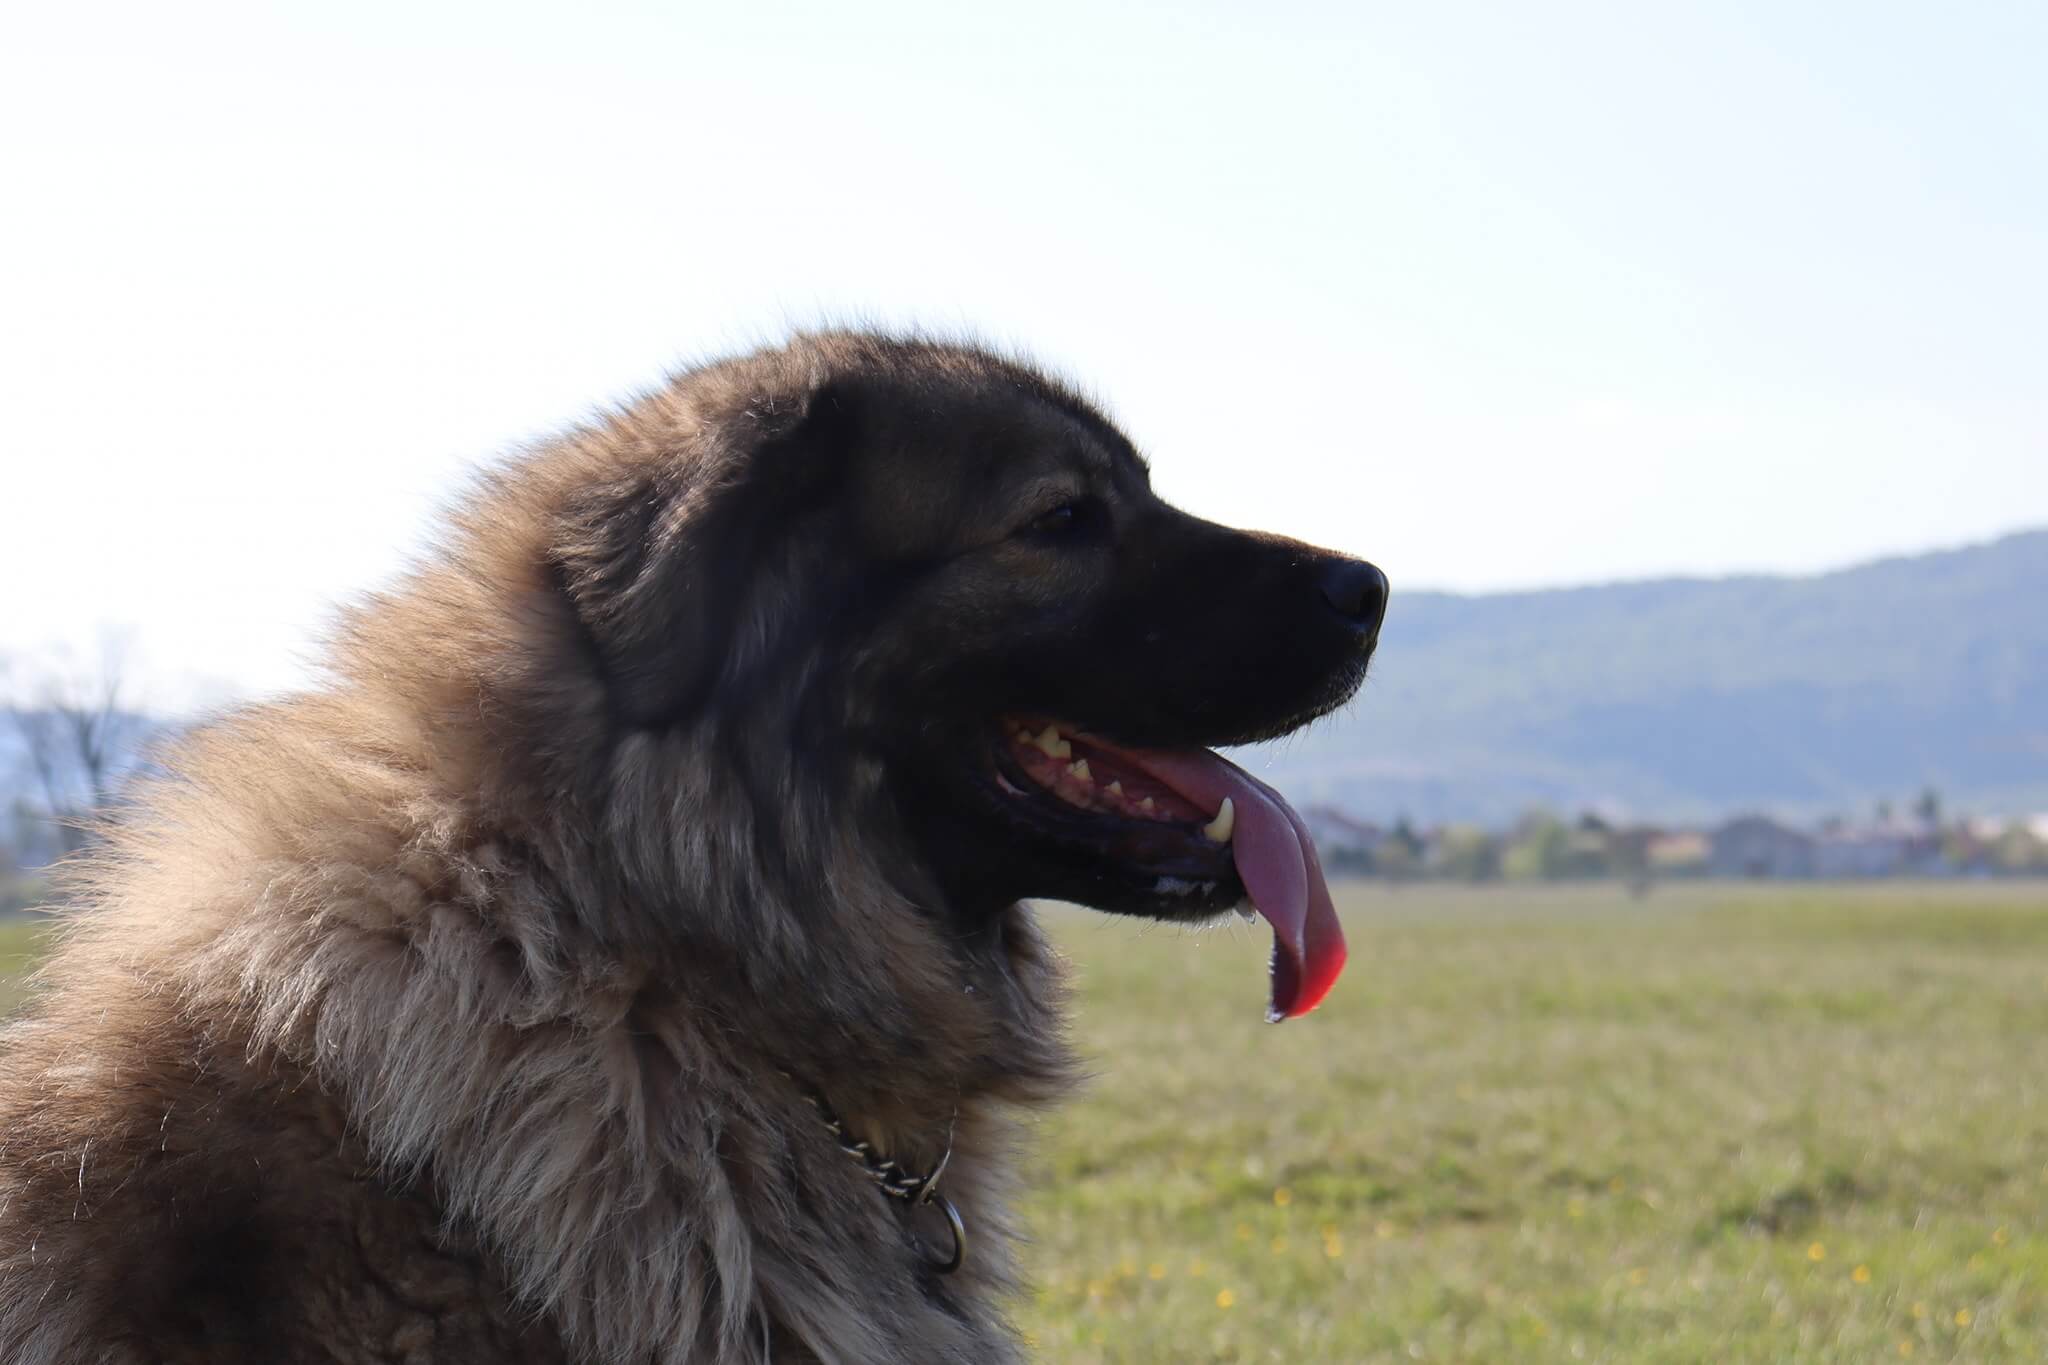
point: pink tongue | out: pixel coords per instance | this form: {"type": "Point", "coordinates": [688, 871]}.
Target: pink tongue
{"type": "Point", "coordinates": [1277, 862]}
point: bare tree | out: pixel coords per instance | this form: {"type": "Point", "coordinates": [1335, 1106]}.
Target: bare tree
{"type": "Point", "coordinates": [81, 732]}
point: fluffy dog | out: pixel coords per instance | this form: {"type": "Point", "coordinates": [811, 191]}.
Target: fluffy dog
{"type": "Point", "coordinates": [622, 956]}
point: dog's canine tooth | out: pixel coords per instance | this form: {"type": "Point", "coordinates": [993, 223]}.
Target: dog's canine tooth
{"type": "Point", "coordinates": [1225, 821]}
{"type": "Point", "coordinates": [1079, 769]}
{"type": "Point", "coordinates": [1051, 745]}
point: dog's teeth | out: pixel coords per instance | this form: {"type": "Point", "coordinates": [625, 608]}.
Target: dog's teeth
{"type": "Point", "coordinates": [1079, 769]}
{"type": "Point", "coordinates": [1024, 737]}
{"type": "Point", "coordinates": [1147, 805]}
{"type": "Point", "coordinates": [1051, 745]}
{"type": "Point", "coordinates": [1115, 789]}
{"type": "Point", "coordinates": [1225, 821]}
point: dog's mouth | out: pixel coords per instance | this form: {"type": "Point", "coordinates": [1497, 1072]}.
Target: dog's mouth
{"type": "Point", "coordinates": [1199, 828]}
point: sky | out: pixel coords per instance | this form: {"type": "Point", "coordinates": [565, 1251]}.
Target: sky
{"type": "Point", "coordinates": [1497, 296]}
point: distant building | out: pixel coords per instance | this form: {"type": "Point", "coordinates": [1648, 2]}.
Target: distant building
{"type": "Point", "coordinates": [1886, 848]}
{"type": "Point", "coordinates": [1758, 846]}
{"type": "Point", "coordinates": [1679, 853]}
{"type": "Point", "coordinates": [1859, 851]}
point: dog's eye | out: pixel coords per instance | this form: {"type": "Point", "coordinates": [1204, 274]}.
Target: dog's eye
{"type": "Point", "coordinates": [1082, 516]}
{"type": "Point", "coordinates": [1061, 518]}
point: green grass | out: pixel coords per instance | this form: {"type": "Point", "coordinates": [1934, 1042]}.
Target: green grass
{"type": "Point", "coordinates": [21, 938]}
{"type": "Point", "coordinates": [1722, 1124]}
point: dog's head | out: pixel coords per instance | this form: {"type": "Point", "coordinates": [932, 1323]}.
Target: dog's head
{"type": "Point", "coordinates": [937, 580]}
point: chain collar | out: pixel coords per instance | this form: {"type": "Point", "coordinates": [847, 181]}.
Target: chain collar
{"type": "Point", "coordinates": [891, 1178]}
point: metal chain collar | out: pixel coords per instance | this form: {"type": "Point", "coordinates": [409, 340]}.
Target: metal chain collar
{"type": "Point", "coordinates": [891, 1178]}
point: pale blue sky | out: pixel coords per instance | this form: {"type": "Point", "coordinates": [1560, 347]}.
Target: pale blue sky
{"type": "Point", "coordinates": [1496, 295]}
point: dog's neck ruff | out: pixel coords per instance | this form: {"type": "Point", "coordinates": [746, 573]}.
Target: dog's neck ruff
{"type": "Point", "coordinates": [891, 1177]}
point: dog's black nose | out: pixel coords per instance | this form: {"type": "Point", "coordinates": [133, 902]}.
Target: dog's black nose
{"type": "Point", "coordinates": [1357, 591]}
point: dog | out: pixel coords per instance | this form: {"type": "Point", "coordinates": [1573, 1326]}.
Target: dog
{"type": "Point", "coordinates": [623, 955]}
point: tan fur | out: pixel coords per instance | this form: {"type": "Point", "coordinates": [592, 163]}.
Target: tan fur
{"type": "Point", "coordinates": [390, 1028]}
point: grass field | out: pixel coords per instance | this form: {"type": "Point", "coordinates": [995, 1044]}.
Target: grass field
{"type": "Point", "coordinates": [19, 938]}
{"type": "Point", "coordinates": [1720, 1124]}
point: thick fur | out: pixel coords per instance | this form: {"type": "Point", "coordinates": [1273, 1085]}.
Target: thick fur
{"type": "Point", "coordinates": [443, 1013]}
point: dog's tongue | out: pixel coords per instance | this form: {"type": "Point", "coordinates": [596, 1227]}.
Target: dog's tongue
{"type": "Point", "coordinates": [1277, 862]}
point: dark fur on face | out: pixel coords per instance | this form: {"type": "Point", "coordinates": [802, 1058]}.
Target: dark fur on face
{"type": "Point", "coordinates": [691, 772]}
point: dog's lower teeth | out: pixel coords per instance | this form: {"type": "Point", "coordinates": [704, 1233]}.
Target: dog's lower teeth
{"type": "Point", "coordinates": [1079, 769]}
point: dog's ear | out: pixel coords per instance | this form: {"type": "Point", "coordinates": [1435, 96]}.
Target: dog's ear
{"type": "Point", "coordinates": [657, 564]}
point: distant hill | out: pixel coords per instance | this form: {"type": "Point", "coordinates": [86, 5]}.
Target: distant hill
{"type": "Point", "coordinates": [1687, 698]}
